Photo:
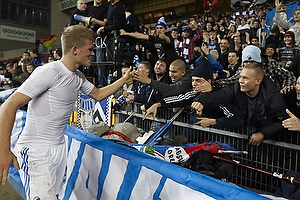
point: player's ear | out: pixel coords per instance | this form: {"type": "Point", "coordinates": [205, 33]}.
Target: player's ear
{"type": "Point", "coordinates": [74, 50]}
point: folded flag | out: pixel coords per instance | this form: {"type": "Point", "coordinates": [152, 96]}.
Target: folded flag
{"type": "Point", "coordinates": [49, 41]}
{"type": "Point", "coordinates": [207, 6]}
{"type": "Point", "coordinates": [211, 147]}
{"type": "Point", "coordinates": [256, 2]}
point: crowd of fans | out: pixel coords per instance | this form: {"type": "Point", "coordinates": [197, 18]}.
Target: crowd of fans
{"type": "Point", "coordinates": [14, 73]}
{"type": "Point", "coordinates": [237, 49]}
{"type": "Point", "coordinates": [179, 64]}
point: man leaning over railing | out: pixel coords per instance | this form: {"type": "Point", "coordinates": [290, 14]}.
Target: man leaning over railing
{"type": "Point", "coordinates": [255, 95]}
{"type": "Point", "coordinates": [228, 116]}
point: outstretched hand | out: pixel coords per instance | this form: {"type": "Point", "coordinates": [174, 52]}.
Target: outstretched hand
{"type": "Point", "coordinates": [292, 123]}
{"type": "Point", "coordinates": [128, 75]}
{"type": "Point", "coordinates": [286, 89]}
{"type": "Point", "coordinates": [205, 86]}
{"type": "Point", "coordinates": [152, 111]}
{"type": "Point", "coordinates": [141, 77]}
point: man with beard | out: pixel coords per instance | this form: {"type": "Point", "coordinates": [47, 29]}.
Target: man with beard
{"type": "Point", "coordinates": [161, 75]}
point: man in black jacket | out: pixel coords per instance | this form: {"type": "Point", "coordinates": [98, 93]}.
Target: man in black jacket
{"type": "Point", "coordinates": [262, 105]}
{"type": "Point", "coordinates": [132, 21]}
{"type": "Point", "coordinates": [228, 116]}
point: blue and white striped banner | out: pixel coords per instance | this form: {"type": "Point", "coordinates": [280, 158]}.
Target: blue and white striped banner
{"type": "Point", "coordinates": [101, 169]}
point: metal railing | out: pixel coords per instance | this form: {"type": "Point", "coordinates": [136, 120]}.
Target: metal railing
{"type": "Point", "coordinates": [279, 154]}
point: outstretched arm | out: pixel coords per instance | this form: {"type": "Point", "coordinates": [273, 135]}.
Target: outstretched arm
{"type": "Point", "coordinates": [164, 89]}
{"type": "Point", "coordinates": [206, 122]}
{"type": "Point", "coordinates": [141, 77]}
{"type": "Point", "coordinates": [101, 93]}
{"type": "Point", "coordinates": [99, 22]}
{"type": "Point", "coordinates": [136, 35]}
{"type": "Point", "coordinates": [232, 117]}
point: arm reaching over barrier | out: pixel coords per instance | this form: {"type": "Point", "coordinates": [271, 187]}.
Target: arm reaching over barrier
{"type": "Point", "coordinates": [256, 138]}
{"type": "Point", "coordinates": [205, 122]}
{"type": "Point", "coordinates": [198, 107]}
{"type": "Point", "coordinates": [151, 112]}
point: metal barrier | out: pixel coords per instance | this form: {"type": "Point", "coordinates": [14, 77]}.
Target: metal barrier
{"type": "Point", "coordinates": [279, 154]}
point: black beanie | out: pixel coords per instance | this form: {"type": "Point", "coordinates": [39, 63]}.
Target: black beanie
{"type": "Point", "coordinates": [271, 46]}
{"type": "Point", "coordinates": [203, 69]}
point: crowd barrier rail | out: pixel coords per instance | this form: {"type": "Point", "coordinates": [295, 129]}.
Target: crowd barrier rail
{"type": "Point", "coordinates": [279, 154]}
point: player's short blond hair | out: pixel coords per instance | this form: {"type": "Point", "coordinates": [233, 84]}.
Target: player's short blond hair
{"type": "Point", "coordinates": [75, 36]}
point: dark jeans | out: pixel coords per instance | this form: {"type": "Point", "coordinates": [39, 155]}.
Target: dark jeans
{"type": "Point", "coordinates": [100, 57]}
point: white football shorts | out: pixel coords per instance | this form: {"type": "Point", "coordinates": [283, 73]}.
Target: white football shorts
{"type": "Point", "coordinates": [42, 170]}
